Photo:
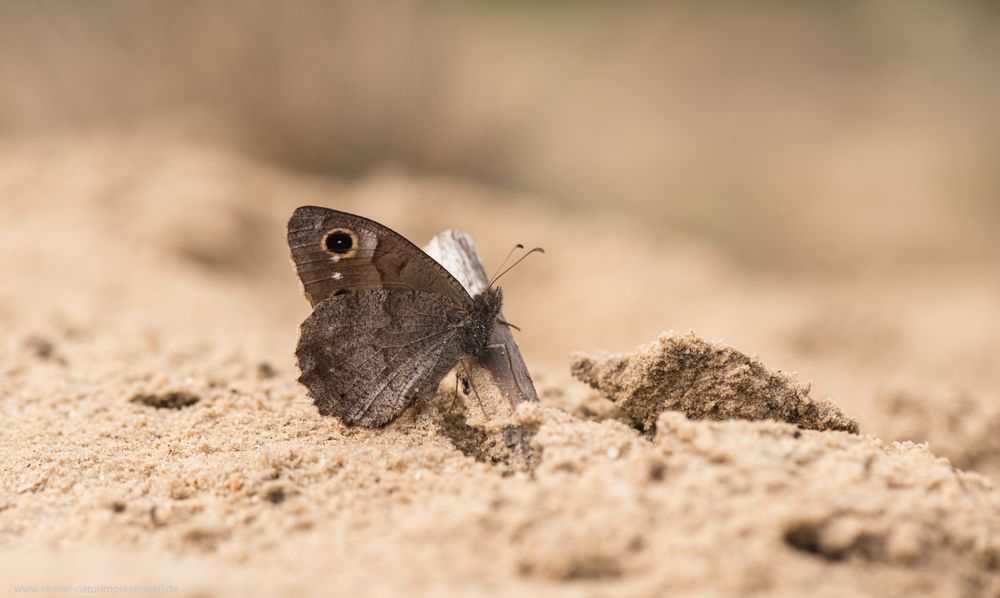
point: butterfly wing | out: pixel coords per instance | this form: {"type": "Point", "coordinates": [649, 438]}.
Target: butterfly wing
{"type": "Point", "coordinates": [336, 253]}
{"type": "Point", "coordinates": [367, 355]}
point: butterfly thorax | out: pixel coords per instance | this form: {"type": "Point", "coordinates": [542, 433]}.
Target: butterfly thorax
{"type": "Point", "coordinates": [480, 319]}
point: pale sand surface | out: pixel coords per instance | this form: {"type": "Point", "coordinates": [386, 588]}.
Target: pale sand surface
{"type": "Point", "coordinates": [136, 277]}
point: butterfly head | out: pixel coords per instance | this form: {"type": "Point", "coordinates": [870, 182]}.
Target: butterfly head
{"type": "Point", "coordinates": [489, 302]}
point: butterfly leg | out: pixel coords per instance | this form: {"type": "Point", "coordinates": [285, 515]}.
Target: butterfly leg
{"type": "Point", "coordinates": [454, 399]}
{"type": "Point", "coordinates": [474, 391]}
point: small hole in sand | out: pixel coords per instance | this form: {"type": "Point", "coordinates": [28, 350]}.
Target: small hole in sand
{"type": "Point", "coordinates": [657, 471]}
{"type": "Point", "coordinates": [40, 346]}
{"type": "Point", "coordinates": [638, 544]}
{"type": "Point", "coordinates": [813, 537]}
{"type": "Point", "coordinates": [265, 370]}
{"type": "Point", "coordinates": [804, 537]}
{"type": "Point", "coordinates": [275, 495]}
{"type": "Point", "coordinates": [167, 400]}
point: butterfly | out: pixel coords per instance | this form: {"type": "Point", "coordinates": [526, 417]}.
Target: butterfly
{"type": "Point", "coordinates": [388, 322]}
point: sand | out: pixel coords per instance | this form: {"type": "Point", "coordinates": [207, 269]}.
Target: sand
{"type": "Point", "coordinates": [153, 432]}
{"type": "Point", "coordinates": [703, 380]}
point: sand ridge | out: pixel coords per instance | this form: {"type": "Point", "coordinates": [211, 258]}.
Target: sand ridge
{"type": "Point", "coordinates": [703, 380]}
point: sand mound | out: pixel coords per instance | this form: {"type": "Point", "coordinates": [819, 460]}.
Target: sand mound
{"type": "Point", "coordinates": [704, 381]}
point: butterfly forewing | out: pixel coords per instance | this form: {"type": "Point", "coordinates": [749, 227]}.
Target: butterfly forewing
{"type": "Point", "coordinates": [336, 253]}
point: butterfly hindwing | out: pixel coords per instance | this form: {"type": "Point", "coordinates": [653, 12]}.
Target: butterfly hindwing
{"type": "Point", "coordinates": [366, 356]}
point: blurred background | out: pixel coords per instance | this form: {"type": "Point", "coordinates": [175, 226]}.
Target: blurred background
{"type": "Point", "coordinates": [809, 134]}
{"type": "Point", "coordinates": [816, 182]}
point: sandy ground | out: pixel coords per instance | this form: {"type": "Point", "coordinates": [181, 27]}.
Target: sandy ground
{"type": "Point", "coordinates": [152, 431]}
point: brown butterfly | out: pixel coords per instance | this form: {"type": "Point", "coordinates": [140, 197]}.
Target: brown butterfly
{"type": "Point", "coordinates": [388, 322]}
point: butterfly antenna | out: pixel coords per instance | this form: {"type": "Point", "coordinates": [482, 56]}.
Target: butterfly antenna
{"type": "Point", "coordinates": [511, 267]}
{"type": "Point", "coordinates": [512, 250]}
